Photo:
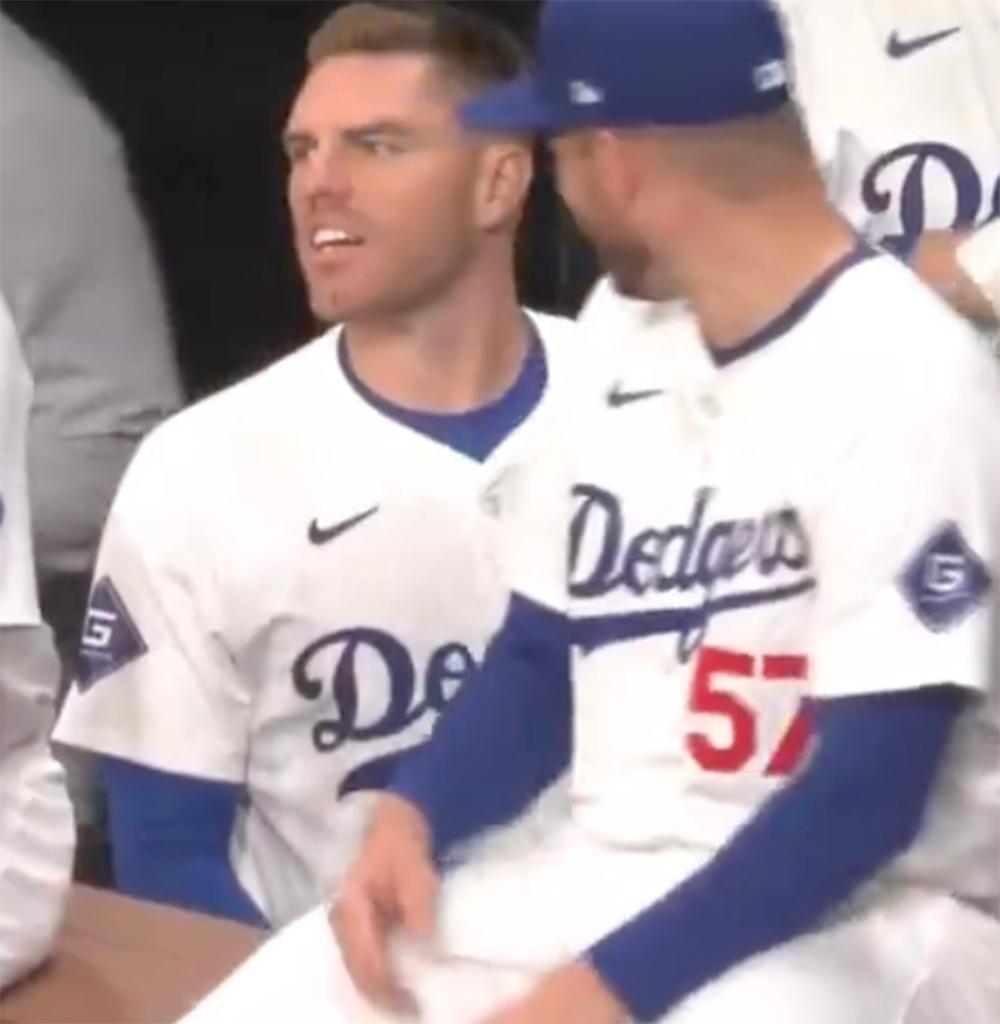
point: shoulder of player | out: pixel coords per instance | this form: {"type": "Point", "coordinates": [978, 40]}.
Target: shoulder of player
{"type": "Point", "coordinates": [898, 340]}
{"type": "Point", "coordinates": [202, 446]}
{"type": "Point", "coordinates": [241, 410]}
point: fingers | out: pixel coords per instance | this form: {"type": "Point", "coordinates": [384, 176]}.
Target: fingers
{"type": "Point", "coordinates": [362, 932]}
{"type": "Point", "coordinates": [417, 898]}
{"type": "Point", "coordinates": [392, 884]}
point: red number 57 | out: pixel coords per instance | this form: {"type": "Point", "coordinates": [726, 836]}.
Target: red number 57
{"type": "Point", "coordinates": [708, 698]}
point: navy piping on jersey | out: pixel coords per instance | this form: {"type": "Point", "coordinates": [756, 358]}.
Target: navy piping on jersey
{"type": "Point", "coordinates": [475, 433]}
{"type": "Point", "coordinates": [801, 305]}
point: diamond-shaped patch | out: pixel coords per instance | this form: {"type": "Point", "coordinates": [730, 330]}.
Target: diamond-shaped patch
{"type": "Point", "coordinates": [945, 580]}
{"type": "Point", "coordinates": [110, 637]}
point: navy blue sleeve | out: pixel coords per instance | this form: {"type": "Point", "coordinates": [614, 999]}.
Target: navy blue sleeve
{"type": "Point", "coordinates": [170, 840]}
{"type": "Point", "coordinates": [858, 803]}
{"type": "Point", "coordinates": [504, 737]}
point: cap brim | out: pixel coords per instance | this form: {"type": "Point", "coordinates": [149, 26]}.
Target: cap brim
{"type": "Point", "coordinates": [512, 107]}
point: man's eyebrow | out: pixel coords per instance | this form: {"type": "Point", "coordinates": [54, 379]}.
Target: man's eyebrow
{"type": "Point", "coordinates": [296, 136]}
{"type": "Point", "coordinates": [385, 126]}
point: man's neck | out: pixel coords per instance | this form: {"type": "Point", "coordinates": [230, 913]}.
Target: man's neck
{"type": "Point", "coordinates": [750, 268]}
{"type": "Point", "coordinates": [455, 355]}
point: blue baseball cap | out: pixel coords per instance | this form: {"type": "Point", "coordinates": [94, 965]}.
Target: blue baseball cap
{"type": "Point", "coordinates": [629, 63]}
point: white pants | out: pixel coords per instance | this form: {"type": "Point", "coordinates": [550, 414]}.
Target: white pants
{"type": "Point", "coordinates": [911, 957]}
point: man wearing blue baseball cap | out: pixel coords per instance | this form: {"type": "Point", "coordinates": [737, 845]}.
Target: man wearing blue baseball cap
{"type": "Point", "coordinates": [754, 622]}
{"type": "Point", "coordinates": [767, 664]}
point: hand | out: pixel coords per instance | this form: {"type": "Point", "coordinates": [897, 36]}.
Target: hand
{"type": "Point", "coordinates": [573, 994]}
{"type": "Point", "coordinates": [935, 261]}
{"type": "Point", "coordinates": [392, 883]}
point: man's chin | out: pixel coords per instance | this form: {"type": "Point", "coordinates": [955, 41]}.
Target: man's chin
{"type": "Point", "coordinates": [337, 311]}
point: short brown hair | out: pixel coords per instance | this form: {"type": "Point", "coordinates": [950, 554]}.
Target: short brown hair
{"type": "Point", "coordinates": [472, 50]}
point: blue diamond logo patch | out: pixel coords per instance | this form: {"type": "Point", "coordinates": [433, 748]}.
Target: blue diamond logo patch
{"type": "Point", "coordinates": [110, 636]}
{"type": "Point", "coordinates": [946, 580]}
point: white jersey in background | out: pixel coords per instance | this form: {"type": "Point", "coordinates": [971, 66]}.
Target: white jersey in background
{"type": "Point", "coordinates": [36, 821]}
{"type": "Point", "coordinates": [901, 102]}
{"type": "Point", "coordinates": [290, 587]}
{"type": "Point", "coordinates": [18, 589]}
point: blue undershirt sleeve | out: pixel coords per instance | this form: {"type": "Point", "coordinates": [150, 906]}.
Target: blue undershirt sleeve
{"type": "Point", "coordinates": [505, 736]}
{"type": "Point", "coordinates": [170, 839]}
{"type": "Point", "coordinates": [858, 803]}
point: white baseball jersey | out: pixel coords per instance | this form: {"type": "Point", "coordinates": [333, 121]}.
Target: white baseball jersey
{"type": "Point", "coordinates": [902, 103]}
{"type": "Point", "coordinates": [290, 587]}
{"type": "Point", "coordinates": [36, 821]}
{"type": "Point", "coordinates": [820, 515]}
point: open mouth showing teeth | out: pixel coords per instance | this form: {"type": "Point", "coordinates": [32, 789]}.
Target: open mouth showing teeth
{"type": "Point", "coordinates": [328, 238]}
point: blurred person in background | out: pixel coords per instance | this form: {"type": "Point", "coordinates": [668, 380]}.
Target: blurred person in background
{"type": "Point", "coordinates": [78, 276]}
{"type": "Point", "coordinates": [36, 820]}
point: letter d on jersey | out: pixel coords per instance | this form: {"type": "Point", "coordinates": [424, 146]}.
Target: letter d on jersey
{"type": "Point", "coordinates": [110, 637]}
{"type": "Point", "coordinates": [330, 669]}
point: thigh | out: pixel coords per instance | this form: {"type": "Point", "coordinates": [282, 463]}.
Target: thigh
{"type": "Point", "coordinates": [863, 969]}
{"type": "Point", "coordinates": [299, 976]}
{"type": "Point", "coordinates": [962, 984]}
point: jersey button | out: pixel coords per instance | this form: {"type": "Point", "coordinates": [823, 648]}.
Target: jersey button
{"type": "Point", "coordinates": [710, 405]}
{"type": "Point", "coordinates": [491, 504]}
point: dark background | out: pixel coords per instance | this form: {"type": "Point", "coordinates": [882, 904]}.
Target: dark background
{"type": "Point", "coordinates": [199, 90]}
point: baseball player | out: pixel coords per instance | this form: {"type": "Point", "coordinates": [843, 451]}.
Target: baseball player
{"type": "Point", "coordinates": [300, 572]}
{"type": "Point", "coordinates": [900, 99]}
{"type": "Point", "coordinates": [758, 620]}
{"type": "Point", "coordinates": [36, 820]}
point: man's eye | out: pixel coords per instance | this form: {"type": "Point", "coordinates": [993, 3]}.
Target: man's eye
{"type": "Point", "coordinates": [379, 147]}
{"type": "Point", "coordinates": [296, 151]}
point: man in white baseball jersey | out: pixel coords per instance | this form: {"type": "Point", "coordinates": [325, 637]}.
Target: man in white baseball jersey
{"type": "Point", "coordinates": [901, 99]}
{"type": "Point", "coordinates": [299, 573]}
{"type": "Point", "coordinates": [36, 821]}
{"type": "Point", "coordinates": [770, 654]}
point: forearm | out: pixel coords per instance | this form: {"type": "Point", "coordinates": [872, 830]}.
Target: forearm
{"type": "Point", "coordinates": [504, 738]}
{"type": "Point", "coordinates": [857, 805]}
{"type": "Point", "coordinates": [170, 840]}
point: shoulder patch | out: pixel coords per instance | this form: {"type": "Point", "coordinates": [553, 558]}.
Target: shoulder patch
{"type": "Point", "coordinates": [110, 637]}
{"type": "Point", "coordinates": [945, 581]}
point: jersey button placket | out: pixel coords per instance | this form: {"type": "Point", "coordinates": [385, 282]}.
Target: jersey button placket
{"type": "Point", "coordinates": [490, 500]}
{"type": "Point", "coordinates": [707, 414]}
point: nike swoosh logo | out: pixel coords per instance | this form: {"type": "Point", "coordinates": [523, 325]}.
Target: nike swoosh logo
{"type": "Point", "coordinates": [897, 47]}
{"type": "Point", "coordinates": [324, 534]}
{"type": "Point", "coordinates": [618, 398]}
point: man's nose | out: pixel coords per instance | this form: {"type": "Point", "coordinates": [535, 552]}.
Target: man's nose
{"type": "Point", "coordinates": [327, 175]}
